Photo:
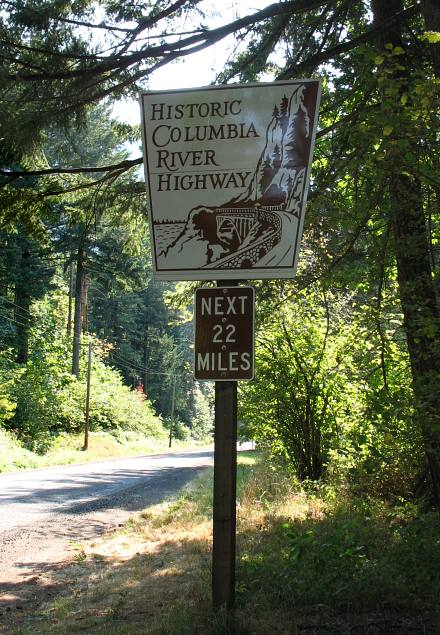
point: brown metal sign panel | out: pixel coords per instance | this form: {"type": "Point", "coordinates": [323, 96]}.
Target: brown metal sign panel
{"type": "Point", "coordinates": [227, 171]}
{"type": "Point", "coordinates": [224, 333]}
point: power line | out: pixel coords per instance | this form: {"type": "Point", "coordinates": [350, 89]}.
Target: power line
{"type": "Point", "coordinates": [129, 366]}
{"type": "Point", "coordinates": [14, 304]}
{"type": "Point", "coordinates": [125, 363]}
{"type": "Point", "coordinates": [6, 317]}
{"type": "Point", "coordinates": [142, 368]}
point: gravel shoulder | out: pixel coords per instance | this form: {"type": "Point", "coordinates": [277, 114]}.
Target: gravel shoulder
{"type": "Point", "coordinates": [46, 514]}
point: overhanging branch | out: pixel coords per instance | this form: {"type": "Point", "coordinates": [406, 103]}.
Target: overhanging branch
{"type": "Point", "coordinates": [116, 167]}
{"type": "Point", "coordinates": [328, 54]}
{"type": "Point", "coordinates": [182, 47]}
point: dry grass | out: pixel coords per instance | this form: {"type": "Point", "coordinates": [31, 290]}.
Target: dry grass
{"type": "Point", "coordinates": [125, 581]}
{"type": "Point", "coordinates": [303, 566]}
{"type": "Point", "coordinates": [154, 575]}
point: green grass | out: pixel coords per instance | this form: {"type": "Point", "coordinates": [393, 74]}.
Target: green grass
{"type": "Point", "coordinates": [13, 456]}
{"type": "Point", "coordinates": [64, 449]}
{"type": "Point", "coordinates": [307, 562]}
{"type": "Point", "coordinates": [351, 560]}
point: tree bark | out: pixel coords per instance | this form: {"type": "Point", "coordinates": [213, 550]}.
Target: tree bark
{"type": "Point", "coordinates": [85, 302]}
{"type": "Point", "coordinates": [431, 16]}
{"type": "Point", "coordinates": [77, 318]}
{"type": "Point", "coordinates": [414, 274]}
{"type": "Point", "coordinates": [69, 312]}
{"type": "Point", "coordinates": [22, 306]}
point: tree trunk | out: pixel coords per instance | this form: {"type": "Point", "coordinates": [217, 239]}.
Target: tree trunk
{"type": "Point", "coordinates": [22, 306]}
{"type": "Point", "coordinates": [77, 319]}
{"type": "Point", "coordinates": [85, 302]}
{"type": "Point", "coordinates": [69, 313]}
{"type": "Point", "coordinates": [415, 280]}
{"type": "Point", "coordinates": [431, 16]}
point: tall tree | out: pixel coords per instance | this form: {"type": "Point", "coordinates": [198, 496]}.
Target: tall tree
{"type": "Point", "coordinates": [409, 228]}
{"type": "Point", "coordinates": [25, 275]}
{"type": "Point", "coordinates": [375, 183]}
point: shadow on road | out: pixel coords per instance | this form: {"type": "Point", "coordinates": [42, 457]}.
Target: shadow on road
{"type": "Point", "coordinates": [76, 522]}
{"type": "Point", "coordinates": [85, 488]}
{"type": "Point", "coordinates": [177, 572]}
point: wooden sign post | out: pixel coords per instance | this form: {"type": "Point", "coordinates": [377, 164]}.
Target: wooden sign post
{"type": "Point", "coordinates": [224, 512]}
{"type": "Point", "coordinates": [224, 352]}
{"type": "Point", "coordinates": [227, 171]}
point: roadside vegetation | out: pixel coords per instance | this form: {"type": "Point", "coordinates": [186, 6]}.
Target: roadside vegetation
{"type": "Point", "coordinates": [131, 404]}
{"type": "Point", "coordinates": [75, 274]}
{"type": "Point", "coordinates": [67, 448]}
{"type": "Point", "coordinates": [310, 558]}
{"type": "Point", "coordinates": [42, 409]}
{"type": "Point", "coordinates": [338, 525]}
{"type": "Point", "coordinates": [348, 355]}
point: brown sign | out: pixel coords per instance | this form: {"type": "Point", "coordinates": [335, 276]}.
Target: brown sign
{"type": "Point", "coordinates": [224, 333]}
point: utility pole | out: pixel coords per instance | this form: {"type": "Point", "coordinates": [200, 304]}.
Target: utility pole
{"type": "Point", "coordinates": [172, 409]}
{"type": "Point", "coordinates": [86, 418]}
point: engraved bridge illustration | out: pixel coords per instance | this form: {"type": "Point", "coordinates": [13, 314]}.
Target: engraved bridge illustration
{"type": "Point", "coordinates": [240, 223]}
{"type": "Point", "coordinates": [243, 222]}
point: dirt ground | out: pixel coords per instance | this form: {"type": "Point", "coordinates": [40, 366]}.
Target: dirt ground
{"type": "Point", "coordinates": [36, 561]}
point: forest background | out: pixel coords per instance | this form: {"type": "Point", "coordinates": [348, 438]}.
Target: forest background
{"type": "Point", "coordinates": [348, 356]}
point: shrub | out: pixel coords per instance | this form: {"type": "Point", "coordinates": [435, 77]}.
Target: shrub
{"type": "Point", "coordinates": [9, 374]}
{"type": "Point", "coordinates": [48, 399]}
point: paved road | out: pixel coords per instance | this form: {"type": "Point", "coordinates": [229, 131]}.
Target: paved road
{"type": "Point", "coordinates": [43, 511]}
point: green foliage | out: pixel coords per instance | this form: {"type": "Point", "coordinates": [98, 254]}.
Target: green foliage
{"type": "Point", "coordinates": [180, 431]}
{"type": "Point", "coordinates": [336, 389]}
{"type": "Point", "coordinates": [49, 399]}
{"type": "Point", "coordinates": [357, 556]}
{"type": "Point", "coordinates": [13, 454]}
{"type": "Point", "coordinates": [124, 306]}
{"type": "Point", "coordinates": [299, 382]}
{"type": "Point", "coordinates": [9, 375]}
{"type": "Point", "coordinates": [433, 37]}
{"type": "Point", "coordinates": [114, 406]}
{"type": "Point", "coordinates": [202, 422]}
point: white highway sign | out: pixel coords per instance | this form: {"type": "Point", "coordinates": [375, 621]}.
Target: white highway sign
{"type": "Point", "coordinates": [227, 171]}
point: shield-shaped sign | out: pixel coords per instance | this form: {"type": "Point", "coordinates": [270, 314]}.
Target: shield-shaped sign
{"type": "Point", "coordinates": [227, 171]}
